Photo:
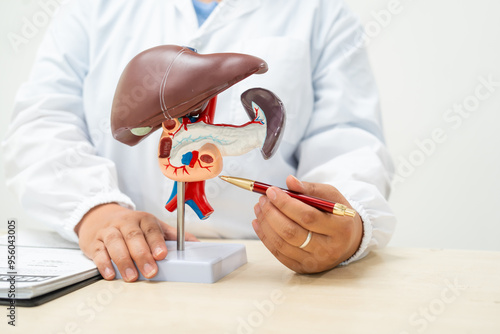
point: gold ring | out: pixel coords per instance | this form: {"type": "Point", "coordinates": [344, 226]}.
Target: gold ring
{"type": "Point", "coordinates": [308, 239]}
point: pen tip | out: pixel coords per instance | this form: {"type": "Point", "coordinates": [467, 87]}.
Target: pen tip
{"type": "Point", "coordinates": [238, 181]}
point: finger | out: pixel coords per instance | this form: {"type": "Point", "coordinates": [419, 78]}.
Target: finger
{"type": "Point", "coordinates": [308, 217]}
{"type": "Point", "coordinates": [266, 222]}
{"type": "Point", "coordinates": [287, 229]}
{"type": "Point", "coordinates": [191, 237]}
{"type": "Point", "coordinates": [295, 184]}
{"type": "Point", "coordinates": [118, 251]}
{"type": "Point", "coordinates": [102, 260]}
{"type": "Point", "coordinates": [268, 241]}
{"type": "Point", "coordinates": [153, 234]}
{"type": "Point", "coordinates": [317, 242]}
{"type": "Point", "coordinates": [315, 257]}
{"type": "Point", "coordinates": [170, 233]}
{"type": "Point", "coordinates": [319, 190]}
{"type": "Point", "coordinates": [139, 249]}
{"type": "Point", "coordinates": [324, 191]}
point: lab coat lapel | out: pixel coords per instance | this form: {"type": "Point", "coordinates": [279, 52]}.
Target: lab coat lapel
{"type": "Point", "coordinates": [226, 11]}
{"type": "Point", "coordinates": [186, 9]}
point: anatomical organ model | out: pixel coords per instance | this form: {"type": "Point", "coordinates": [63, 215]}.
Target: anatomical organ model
{"type": "Point", "coordinates": [176, 89]}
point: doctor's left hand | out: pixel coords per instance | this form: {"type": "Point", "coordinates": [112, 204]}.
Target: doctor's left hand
{"type": "Point", "coordinates": [112, 232]}
{"type": "Point", "coordinates": [283, 224]}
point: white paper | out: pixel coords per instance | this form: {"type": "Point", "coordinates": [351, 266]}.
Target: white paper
{"type": "Point", "coordinates": [40, 270]}
{"type": "Point", "coordinates": [40, 238]}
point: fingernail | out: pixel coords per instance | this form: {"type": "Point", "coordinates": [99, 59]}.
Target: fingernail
{"type": "Point", "coordinates": [129, 274]}
{"type": "Point", "coordinates": [255, 224]}
{"type": "Point", "coordinates": [298, 181]}
{"type": "Point", "coordinates": [149, 270]}
{"type": "Point", "coordinates": [271, 194]}
{"type": "Point", "coordinates": [158, 251]}
{"type": "Point", "coordinates": [257, 209]}
{"type": "Point", "coordinates": [108, 273]}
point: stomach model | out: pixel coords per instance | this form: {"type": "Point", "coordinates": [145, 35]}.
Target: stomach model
{"type": "Point", "coordinates": [183, 104]}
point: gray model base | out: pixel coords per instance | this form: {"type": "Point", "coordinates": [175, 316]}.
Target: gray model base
{"type": "Point", "coordinates": [200, 262]}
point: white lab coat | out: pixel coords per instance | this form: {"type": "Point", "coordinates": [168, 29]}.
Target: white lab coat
{"type": "Point", "coordinates": [61, 159]}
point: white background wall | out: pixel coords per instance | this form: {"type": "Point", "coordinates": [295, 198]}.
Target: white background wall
{"type": "Point", "coordinates": [428, 56]}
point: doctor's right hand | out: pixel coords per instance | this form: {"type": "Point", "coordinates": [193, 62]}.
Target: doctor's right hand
{"type": "Point", "coordinates": [112, 232]}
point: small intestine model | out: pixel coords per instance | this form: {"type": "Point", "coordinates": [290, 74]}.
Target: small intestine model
{"type": "Point", "coordinates": [175, 88]}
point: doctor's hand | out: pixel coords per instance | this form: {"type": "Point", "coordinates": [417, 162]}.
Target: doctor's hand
{"type": "Point", "coordinates": [112, 232]}
{"type": "Point", "coordinates": [283, 224]}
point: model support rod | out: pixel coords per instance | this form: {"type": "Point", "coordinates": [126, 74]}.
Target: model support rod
{"type": "Point", "coordinates": [181, 191]}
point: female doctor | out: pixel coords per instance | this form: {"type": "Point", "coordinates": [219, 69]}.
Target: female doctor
{"type": "Point", "coordinates": [69, 172]}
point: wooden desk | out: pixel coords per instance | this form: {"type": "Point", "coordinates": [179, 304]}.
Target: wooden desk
{"type": "Point", "coordinates": [391, 291]}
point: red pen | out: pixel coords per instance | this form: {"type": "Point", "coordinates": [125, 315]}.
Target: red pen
{"type": "Point", "coordinates": [259, 187]}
